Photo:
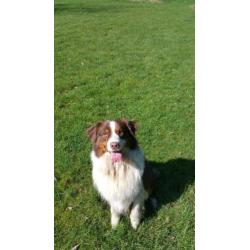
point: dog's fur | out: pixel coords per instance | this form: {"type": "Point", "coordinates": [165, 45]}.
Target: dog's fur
{"type": "Point", "coordinates": [126, 183]}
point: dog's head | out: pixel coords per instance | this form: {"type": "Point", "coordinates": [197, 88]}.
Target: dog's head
{"type": "Point", "coordinates": [113, 136]}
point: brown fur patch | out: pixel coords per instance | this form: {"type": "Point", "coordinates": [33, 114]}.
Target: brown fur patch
{"type": "Point", "coordinates": [99, 135]}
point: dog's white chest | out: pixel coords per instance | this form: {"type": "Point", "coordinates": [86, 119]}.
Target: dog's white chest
{"type": "Point", "coordinates": [120, 183]}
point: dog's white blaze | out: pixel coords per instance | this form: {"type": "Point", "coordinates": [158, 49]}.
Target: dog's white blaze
{"type": "Point", "coordinates": [114, 137]}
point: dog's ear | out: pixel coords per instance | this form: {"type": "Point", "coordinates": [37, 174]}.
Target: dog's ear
{"type": "Point", "coordinates": [131, 125]}
{"type": "Point", "coordinates": [92, 132]}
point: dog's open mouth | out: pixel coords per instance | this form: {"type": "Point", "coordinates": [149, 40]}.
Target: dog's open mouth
{"type": "Point", "coordinates": [116, 156]}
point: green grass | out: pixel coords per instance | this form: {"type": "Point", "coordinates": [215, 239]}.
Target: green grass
{"type": "Point", "coordinates": [135, 60]}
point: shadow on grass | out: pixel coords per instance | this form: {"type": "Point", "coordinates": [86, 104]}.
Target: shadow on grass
{"type": "Point", "coordinates": [174, 177]}
{"type": "Point", "coordinates": [81, 8]}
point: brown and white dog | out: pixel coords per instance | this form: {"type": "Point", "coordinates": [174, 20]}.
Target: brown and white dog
{"type": "Point", "coordinates": [119, 171]}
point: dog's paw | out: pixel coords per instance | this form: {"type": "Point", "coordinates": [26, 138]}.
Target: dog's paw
{"type": "Point", "coordinates": [114, 222]}
{"type": "Point", "coordinates": [114, 226]}
{"type": "Point", "coordinates": [135, 223]}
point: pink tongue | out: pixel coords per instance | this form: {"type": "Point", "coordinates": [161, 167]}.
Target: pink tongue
{"type": "Point", "coordinates": [115, 157]}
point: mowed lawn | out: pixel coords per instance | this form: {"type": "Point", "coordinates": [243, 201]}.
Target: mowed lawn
{"type": "Point", "coordinates": [130, 59]}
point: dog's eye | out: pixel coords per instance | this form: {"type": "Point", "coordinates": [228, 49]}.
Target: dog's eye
{"type": "Point", "coordinates": [103, 134]}
{"type": "Point", "coordinates": [120, 133]}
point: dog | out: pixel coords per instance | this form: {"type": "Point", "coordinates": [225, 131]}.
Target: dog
{"type": "Point", "coordinates": [119, 170]}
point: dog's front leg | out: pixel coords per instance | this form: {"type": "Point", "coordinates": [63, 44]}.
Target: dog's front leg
{"type": "Point", "coordinates": [135, 214]}
{"type": "Point", "coordinates": [115, 217]}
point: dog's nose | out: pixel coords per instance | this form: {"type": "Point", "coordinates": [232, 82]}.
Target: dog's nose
{"type": "Point", "coordinates": [115, 145]}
